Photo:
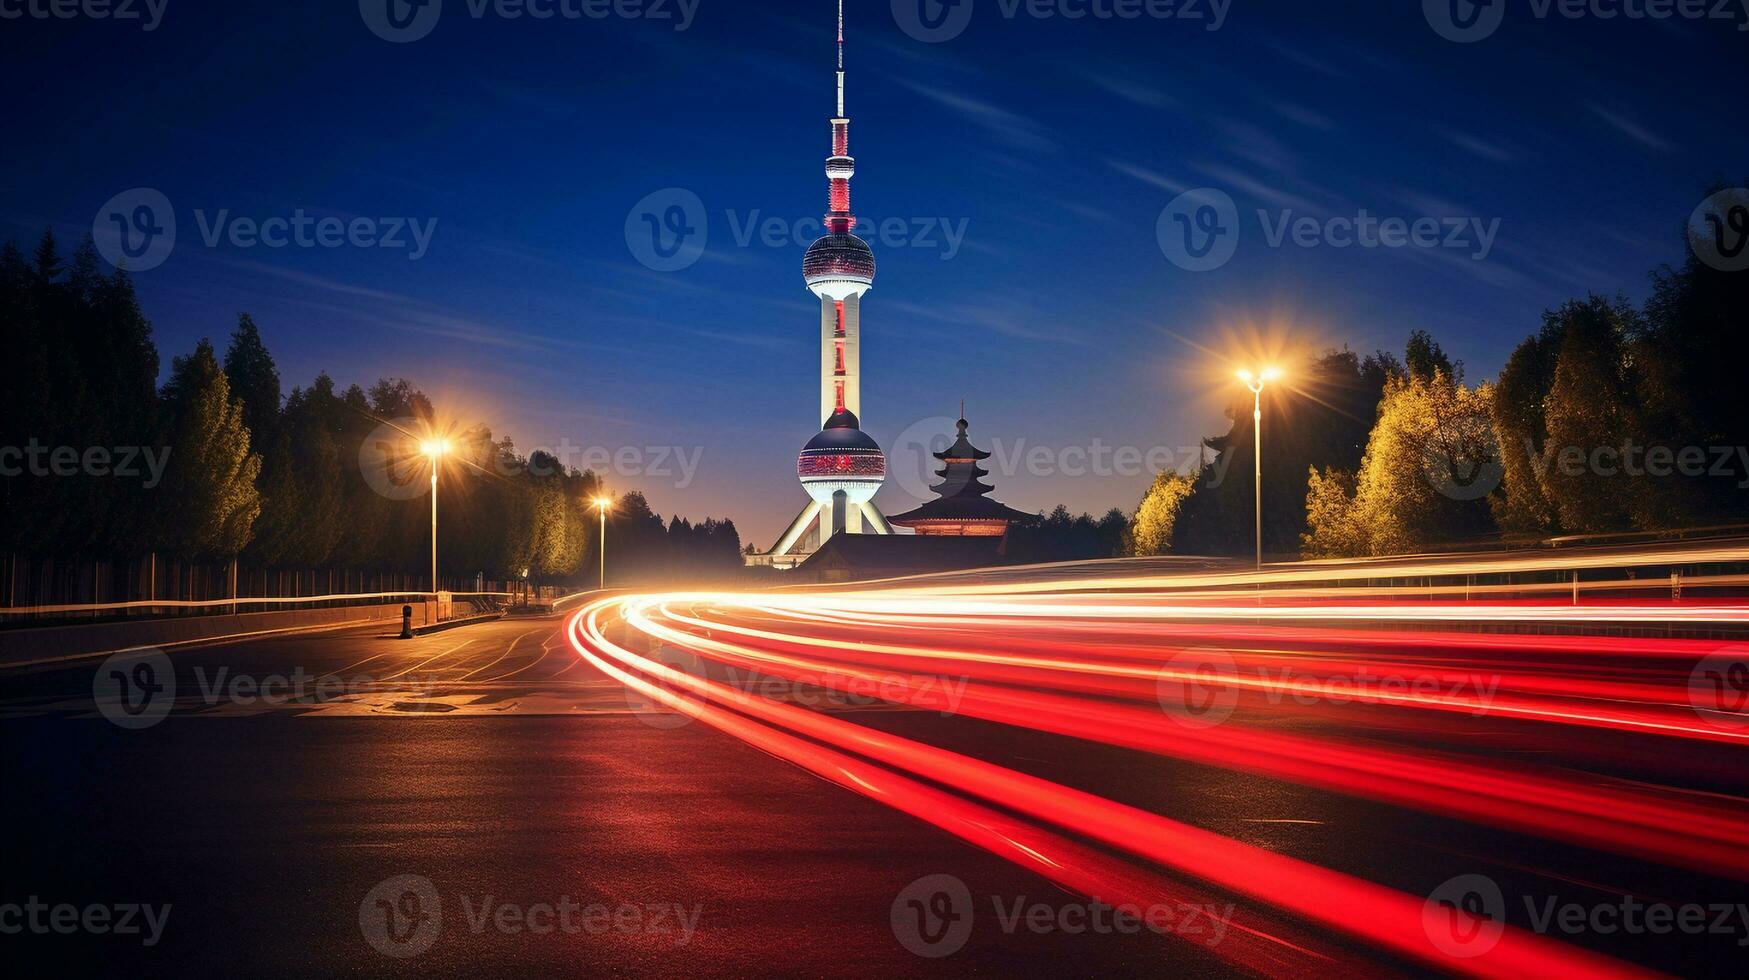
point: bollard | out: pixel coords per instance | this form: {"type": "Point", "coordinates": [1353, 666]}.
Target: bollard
{"type": "Point", "coordinates": [406, 622]}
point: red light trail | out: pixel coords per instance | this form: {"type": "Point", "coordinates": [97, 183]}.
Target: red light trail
{"type": "Point", "coordinates": [1209, 679]}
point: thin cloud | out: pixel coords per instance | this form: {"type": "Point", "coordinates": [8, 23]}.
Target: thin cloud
{"type": "Point", "coordinates": [1629, 128]}
{"type": "Point", "coordinates": [1486, 149]}
{"type": "Point", "coordinates": [1010, 127]}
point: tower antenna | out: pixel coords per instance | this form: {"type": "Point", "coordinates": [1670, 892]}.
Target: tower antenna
{"type": "Point", "coordinates": [840, 58]}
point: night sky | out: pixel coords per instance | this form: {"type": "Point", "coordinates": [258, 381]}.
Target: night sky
{"type": "Point", "coordinates": [1055, 143]}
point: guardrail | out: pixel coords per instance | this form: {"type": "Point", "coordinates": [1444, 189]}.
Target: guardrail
{"type": "Point", "coordinates": [238, 604]}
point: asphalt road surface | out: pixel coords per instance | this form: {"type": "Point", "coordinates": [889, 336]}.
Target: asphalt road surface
{"type": "Point", "coordinates": [484, 802]}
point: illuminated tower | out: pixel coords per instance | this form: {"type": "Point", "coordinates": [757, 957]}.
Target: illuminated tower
{"type": "Point", "coordinates": [839, 269]}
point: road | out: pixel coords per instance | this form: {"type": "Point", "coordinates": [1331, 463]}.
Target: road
{"type": "Point", "coordinates": [950, 772]}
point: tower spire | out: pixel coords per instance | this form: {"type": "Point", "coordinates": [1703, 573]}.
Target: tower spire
{"type": "Point", "coordinates": [841, 58]}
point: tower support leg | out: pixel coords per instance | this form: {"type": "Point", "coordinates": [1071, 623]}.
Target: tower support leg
{"type": "Point", "coordinates": [799, 525]}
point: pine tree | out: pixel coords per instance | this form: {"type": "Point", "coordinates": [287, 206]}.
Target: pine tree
{"type": "Point", "coordinates": [207, 503]}
{"type": "Point", "coordinates": [254, 380]}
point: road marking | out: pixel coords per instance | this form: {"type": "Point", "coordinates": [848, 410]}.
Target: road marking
{"type": "Point", "coordinates": [507, 651]}
{"type": "Point", "coordinates": [433, 660]}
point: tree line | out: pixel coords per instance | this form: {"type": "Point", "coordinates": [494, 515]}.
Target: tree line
{"type": "Point", "coordinates": [318, 477]}
{"type": "Point", "coordinates": [1611, 418]}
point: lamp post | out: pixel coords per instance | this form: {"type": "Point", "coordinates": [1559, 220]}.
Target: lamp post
{"type": "Point", "coordinates": [603, 505]}
{"type": "Point", "coordinates": [1255, 382]}
{"type": "Point", "coordinates": [434, 449]}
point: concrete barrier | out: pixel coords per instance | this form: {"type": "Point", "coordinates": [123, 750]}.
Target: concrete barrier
{"type": "Point", "coordinates": [22, 647]}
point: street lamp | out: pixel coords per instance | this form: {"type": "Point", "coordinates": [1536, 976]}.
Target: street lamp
{"type": "Point", "coordinates": [1255, 382]}
{"type": "Point", "coordinates": [603, 504]}
{"type": "Point", "coordinates": [435, 450]}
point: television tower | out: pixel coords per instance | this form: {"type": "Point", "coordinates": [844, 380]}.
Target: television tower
{"type": "Point", "coordinates": [842, 467]}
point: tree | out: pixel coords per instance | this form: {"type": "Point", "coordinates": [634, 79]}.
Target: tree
{"type": "Point", "coordinates": [1425, 359]}
{"type": "Point", "coordinates": [1151, 531]}
{"type": "Point", "coordinates": [208, 502]}
{"type": "Point", "coordinates": [1430, 462]}
{"type": "Point", "coordinates": [1590, 408]}
{"type": "Point", "coordinates": [254, 380]}
{"type": "Point", "coordinates": [1520, 411]}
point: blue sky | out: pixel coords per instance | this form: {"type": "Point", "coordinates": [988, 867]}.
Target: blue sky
{"type": "Point", "coordinates": [1054, 143]}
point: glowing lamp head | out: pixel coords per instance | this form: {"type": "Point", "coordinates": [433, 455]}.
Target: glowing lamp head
{"type": "Point", "coordinates": [434, 447]}
{"type": "Point", "coordinates": [603, 503]}
{"type": "Point", "coordinates": [842, 457]}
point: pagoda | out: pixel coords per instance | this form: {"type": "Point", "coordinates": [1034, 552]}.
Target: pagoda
{"type": "Point", "coordinates": [960, 508]}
